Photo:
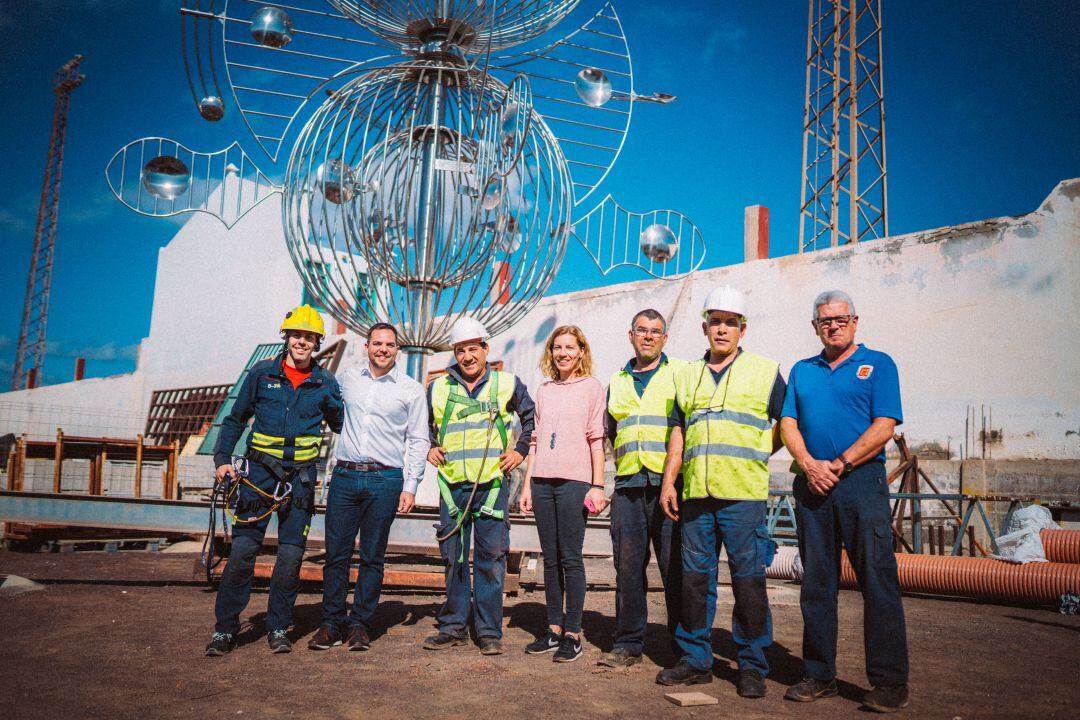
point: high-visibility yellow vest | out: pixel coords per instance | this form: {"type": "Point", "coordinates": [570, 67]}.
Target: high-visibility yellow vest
{"type": "Point", "coordinates": [642, 427]}
{"type": "Point", "coordinates": [473, 431]}
{"type": "Point", "coordinates": [728, 438]}
{"type": "Point", "coordinates": [302, 448]}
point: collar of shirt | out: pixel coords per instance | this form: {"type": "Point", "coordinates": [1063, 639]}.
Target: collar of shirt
{"type": "Point", "coordinates": [390, 376]}
{"type": "Point", "coordinates": [854, 357]}
{"type": "Point", "coordinates": [629, 367]}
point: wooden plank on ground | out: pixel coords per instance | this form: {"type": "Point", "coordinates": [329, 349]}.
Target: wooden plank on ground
{"type": "Point", "coordinates": [689, 699]}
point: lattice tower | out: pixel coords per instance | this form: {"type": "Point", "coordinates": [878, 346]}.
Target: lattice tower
{"type": "Point", "coordinates": [844, 194]}
{"type": "Point", "coordinates": [30, 354]}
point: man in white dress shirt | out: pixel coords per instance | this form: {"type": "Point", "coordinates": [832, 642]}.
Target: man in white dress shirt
{"type": "Point", "coordinates": [380, 462]}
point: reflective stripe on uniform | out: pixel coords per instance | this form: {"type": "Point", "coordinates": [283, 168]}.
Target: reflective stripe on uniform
{"type": "Point", "coordinates": [640, 446]}
{"type": "Point", "coordinates": [472, 454]}
{"type": "Point", "coordinates": [303, 448]}
{"type": "Point", "coordinates": [463, 425]}
{"type": "Point", "coordinates": [656, 420]}
{"type": "Point", "coordinates": [731, 416]}
{"type": "Point", "coordinates": [722, 449]}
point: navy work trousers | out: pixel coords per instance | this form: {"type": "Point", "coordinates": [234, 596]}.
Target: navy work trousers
{"type": "Point", "coordinates": [294, 520]}
{"type": "Point", "coordinates": [480, 596]}
{"type": "Point", "coordinates": [854, 515]}
{"type": "Point", "coordinates": [738, 525]}
{"type": "Point", "coordinates": [364, 504]}
{"type": "Point", "coordinates": [638, 524]}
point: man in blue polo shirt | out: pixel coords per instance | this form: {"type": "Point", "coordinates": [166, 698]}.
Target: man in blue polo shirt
{"type": "Point", "coordinates": [840, 411]}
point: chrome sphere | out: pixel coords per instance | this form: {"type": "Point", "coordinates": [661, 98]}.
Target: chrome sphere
{"type": "Point", "coordinates": [467, 24]}
{"type": "Point", "coordinates": [337, 181]}
{"type": "Point", "coordinates": [212, 108]}
{"type": "Point", "coordinates": [166, 177]}
{"type": "Point", "coordinates": [410, 173]}
{"type": "Point", "coordinates": [593, 87]}
{"type": "Point", "coordinates": [659, 243]}
{"type": "Point", "coordinates": [272, 26]}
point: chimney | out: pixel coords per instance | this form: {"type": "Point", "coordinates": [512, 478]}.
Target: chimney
{"type": "Point", "coordinates": [755, 233]}
{"type": "Point", "coordinates": [80, 368]}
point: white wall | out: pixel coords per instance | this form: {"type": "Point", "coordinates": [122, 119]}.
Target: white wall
{"type": "Point", "coordinates": [974, 314]}
{"type": "Point", "coordinates": [983, 313]}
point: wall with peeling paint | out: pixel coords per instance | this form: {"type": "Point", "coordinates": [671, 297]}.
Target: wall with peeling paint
{"type": "Point", "coordinates": [980, 314]}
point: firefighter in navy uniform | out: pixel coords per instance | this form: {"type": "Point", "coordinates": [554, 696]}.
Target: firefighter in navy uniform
{"type": "Point", "coordinates": [290, 396]}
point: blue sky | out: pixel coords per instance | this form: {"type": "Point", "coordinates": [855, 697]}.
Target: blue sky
{"type": "Point", "coordinates": [982, 103]}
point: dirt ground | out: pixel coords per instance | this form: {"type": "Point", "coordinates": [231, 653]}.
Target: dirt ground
{"type": "Point", "coordinates": [121, 636]}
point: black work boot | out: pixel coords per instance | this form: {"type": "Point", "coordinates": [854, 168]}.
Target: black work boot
{"type": "Point", "coordinates": [220, 644]}
{"type": "Point", "coordinates": [442, 641]}
{"type": "Point", "coordinates": [810, 690]}
{"type": "Point", "coordinates": [490, 646]}
{"type": "Point", "coordinates": [618, 657]}
{"type": "Point", "coordinates": [751, 684]}
{"type": "Point", "coordinates": [886, 699]}
{"type": "Point", "coordinates": [684, 674]}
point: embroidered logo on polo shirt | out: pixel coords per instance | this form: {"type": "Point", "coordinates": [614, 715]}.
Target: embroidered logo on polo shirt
{"type": "Point", "coordinates": [864, 371]}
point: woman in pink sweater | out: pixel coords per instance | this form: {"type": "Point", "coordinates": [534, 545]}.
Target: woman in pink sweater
{"type": "Point", "coordinates": [564, 481]}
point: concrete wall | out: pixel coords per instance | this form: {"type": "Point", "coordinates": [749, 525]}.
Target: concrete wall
{"type": "Point", "coordinates": [980, 314]}
{"type": "Point", "coordinates": [976, 314]}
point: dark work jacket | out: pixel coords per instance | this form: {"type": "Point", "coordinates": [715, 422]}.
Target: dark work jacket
{"type": "Point", "coordinates": [279, 410]}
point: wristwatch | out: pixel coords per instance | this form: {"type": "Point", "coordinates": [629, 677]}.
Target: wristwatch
{"type": "Point", "coordinates": [848, 467]}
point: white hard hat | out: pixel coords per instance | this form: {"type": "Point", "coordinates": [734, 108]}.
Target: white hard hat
{"type": "Point", "coordinates": [724, 297]}
{"type": "Point", "coordinates": [466, 329]}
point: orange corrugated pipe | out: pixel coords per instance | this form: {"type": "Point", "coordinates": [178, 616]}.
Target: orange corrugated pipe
{"type": "Point", "coordinates": [1062, 546]}
{"type": "Point", "coordinates": [982, 578]}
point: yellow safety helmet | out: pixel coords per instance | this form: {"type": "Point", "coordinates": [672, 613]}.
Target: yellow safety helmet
{"type": "Point", "coordinates": [304, 318]}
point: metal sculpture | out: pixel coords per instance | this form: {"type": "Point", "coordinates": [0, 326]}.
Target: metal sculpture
{"type": "Point", "coordinates": [441, 182]}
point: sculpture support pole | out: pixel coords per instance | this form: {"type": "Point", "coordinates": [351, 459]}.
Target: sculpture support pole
{"type": "Point", "coordinates": [416, 361]}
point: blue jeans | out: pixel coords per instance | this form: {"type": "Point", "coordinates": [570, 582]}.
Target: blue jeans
{"type": "Point", "coordinates": [294, 520]}
{"type": "Point", "coordinates": [856, 515]}
{"type": "Point", "coordinates": [739, 525]}
{"type": "Point", "coordinates": [361, 503]}
{"type": "Point", "coordinates": [483, 597]}
{"type": "Point", "coordinates": [637, 521]}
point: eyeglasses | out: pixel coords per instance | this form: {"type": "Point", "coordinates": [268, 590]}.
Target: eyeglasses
{"type": "Point", "coordinates": [653, 332]}
{"type": "Point", "coordinates": [838, 321]}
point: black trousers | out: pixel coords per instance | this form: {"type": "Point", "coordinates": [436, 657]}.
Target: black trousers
{"type": "Point", "coordinates": [559, 506]}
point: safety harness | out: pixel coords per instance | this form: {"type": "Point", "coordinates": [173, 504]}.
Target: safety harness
{"type": "Point", "coordinates": [225, 499]}
{"type": "Point", "coordinates": [470, 407]}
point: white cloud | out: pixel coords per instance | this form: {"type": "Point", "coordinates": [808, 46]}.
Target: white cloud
{"type": "Point", "coordinates": [104, 351]}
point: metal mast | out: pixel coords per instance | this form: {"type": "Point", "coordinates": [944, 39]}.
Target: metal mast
{"type": "Point", "coordinates": [844, 192]}
{"type": "Point", "coordinates": [30, 355]}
